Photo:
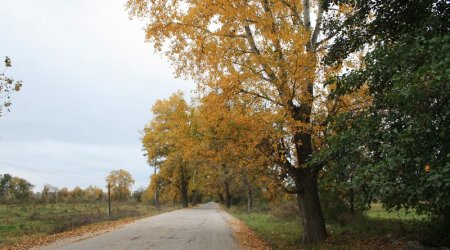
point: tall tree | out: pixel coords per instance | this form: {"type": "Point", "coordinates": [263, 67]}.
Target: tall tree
{"type": "Point", "coordinates": [225, 130]}
{"type": "Point", "coordinates": [165, 139]}
{"type": "Point", "coordinates": [14, 188]}
{"type": "Point", "coordinates": [121, 182]}
{"type": "Point", "coordinates": [5, 180]}
{"type": "Point", "coordinates": [402, 137]}
{"type": "Point", "coordinates": [49, 193]}
{"type": "Point", "coordinates": [264, 49]}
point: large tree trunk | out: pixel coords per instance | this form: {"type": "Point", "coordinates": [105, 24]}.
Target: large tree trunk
{"type": "Point", "coordinates": [249, 193]}
{"type": "Point", "coordinates": [194, 198]}
{"type": "Point", "coordinates": [227, 195]}
{"type": "Point", "coordinates": [309, 207]}
{"type": "Point", "coordinates": [184, 187]}
{"type": "Point", "coordinates": [157, 198]}
{"type": "Point", "coordinates": [249, 200]}
{"type": "Point", "coordinates": [352, 201]}
{"type": "Point", "coordinates": [184, 197]}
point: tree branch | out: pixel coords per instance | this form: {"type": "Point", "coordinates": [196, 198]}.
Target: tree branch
{"type": "Point", "coordinates": [316, 32]}
{"type": "Point", "coordinates": [297, 20]}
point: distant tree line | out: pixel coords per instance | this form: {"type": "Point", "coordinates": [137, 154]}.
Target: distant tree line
{"type": "Point", "coordinates": [15, 189]}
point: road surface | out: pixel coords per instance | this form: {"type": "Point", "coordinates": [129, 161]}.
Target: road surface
{"type": "Point", "coordinates": [203, 227]}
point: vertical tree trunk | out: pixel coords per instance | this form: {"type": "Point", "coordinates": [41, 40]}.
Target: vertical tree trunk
{"type": "Point", "coordinates": [194, 198]}
{"type": "Point", "coordinates": [184, 187]}
{"type": "Point", "coordinates": [249, 200]}
{"type": "Point", "coordinates": [309, 207]}
{"type": "Point", "coordinates": [184, 197]}
{"type": "Point", "coordinates": [156, 198]}
{"type": "Point", "coordinates": [352, 201]}
{"type": "Point", "coordinates": [156, 194]}
{"type": "Point", "coordinates": [249, 192]}
{"type": "Point", "coordinates": [227, 195]}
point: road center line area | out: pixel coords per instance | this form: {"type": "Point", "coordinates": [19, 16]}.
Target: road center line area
{"type": "Point", "coordinates": [202, 227]}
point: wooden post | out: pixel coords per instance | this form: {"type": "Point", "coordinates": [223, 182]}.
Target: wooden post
{"type": "Point", "coordinates": [109, 201]}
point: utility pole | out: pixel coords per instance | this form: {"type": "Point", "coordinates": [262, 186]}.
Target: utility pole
{"type": "Point", "coordinates": [109, 201]}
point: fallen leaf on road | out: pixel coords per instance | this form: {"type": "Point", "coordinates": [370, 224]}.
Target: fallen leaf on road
{"type": "Point", "coordinates": [85, 231]}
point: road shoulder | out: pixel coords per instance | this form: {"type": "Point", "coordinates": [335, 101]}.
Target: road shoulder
{"type": "Point", "coordinates": [245, 237]}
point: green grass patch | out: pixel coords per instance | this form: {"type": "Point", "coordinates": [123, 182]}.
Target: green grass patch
{"type": "Point", "coordinates": [372, 227]}
{"type": "Point", "coordinates": [279, 233]}
{"type": "Point", "coordinates": [378, 212]}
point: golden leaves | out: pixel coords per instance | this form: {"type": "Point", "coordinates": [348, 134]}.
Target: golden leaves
{"type": "Point", "coordinates": [259, 80]}
{"type": "Point", "coordinates": [247, 239]}
{"type": "Point", "coordinates": [81, 232]}
{"type": "Point", "coordinates": [120, 182]}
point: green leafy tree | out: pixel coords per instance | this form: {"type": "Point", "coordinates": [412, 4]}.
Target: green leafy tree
{"type": "Point", "coordinates": [400, 143]}
{"type": "Point", "coordinates": [138, 194]}
{"type": "Point", "coordinates": [4, 185]}
{"type": "Point", "coordinates": [14, 188]}
{"type": "Point", "coordinates": [21, 188]}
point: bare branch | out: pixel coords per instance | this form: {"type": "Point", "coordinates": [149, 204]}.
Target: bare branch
{"type": "Point", "coordinates": [297, 20]}
{"type": "Point", "coordinates": [260, 96]}
{"type": "Point", "coordinates": [306, 15]}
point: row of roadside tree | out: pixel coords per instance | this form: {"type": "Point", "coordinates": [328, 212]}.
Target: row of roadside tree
{"type": "Point", "coordinates": [353, 99]}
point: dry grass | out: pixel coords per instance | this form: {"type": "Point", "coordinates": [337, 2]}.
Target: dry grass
{"type": "Point", "coordinates": [83, 231]}
{"type": "Point", "coordinates": [25, 226]}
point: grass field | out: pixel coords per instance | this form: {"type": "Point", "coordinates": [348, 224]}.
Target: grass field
{"type": "Point", "coordinates": [374, 227]}
{"type": "Point", "coordinates": [34, 220]}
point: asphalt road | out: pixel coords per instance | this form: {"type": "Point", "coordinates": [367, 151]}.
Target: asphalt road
{"type": "Point", "coordinates": [203, 227]}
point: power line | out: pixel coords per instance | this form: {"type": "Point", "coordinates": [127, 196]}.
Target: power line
{"type": "Point", "coordinates": [46, 172]}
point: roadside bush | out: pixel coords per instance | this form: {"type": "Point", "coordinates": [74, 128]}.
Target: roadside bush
{"type": "Point", "coordinates": [285, 210]}
{"type": "Point", "coordinates": [334, 208]}
{"type": "Point", "coordinates": [65, 223]}
{"type": "Point", "coordinates": [436, 233]}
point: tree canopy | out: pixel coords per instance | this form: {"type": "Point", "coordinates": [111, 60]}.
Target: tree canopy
{"type": "Point", "coordinates": [356, 94]}
{"type": "Point", "coordinates": [399, 144]}
{"type": "Point", "coordinates": [120, 182]}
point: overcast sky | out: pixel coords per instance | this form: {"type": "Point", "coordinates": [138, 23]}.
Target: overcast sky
{"type": "Point", "coordinates": [89, 81]}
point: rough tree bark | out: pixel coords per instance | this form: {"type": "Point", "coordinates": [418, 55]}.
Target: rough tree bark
{"type": "Point", "coordinates": [184, 197]}
{"type": "Point", "coordinates": [352, 201]}
{"type": "Point", "coordinates": [249, 200]}
{"type": "Point", "coordinates": [156, 199]}
{"type": "Point", "coordinates": [249, 193]}
{"type": "Point", "coordinates": [310, 210]}
{"type": "Point", "coordinates": [156, 194]}
{"type": "Point", "coordinates": [194, 197]}
{"type": "Point", "coordinates": [227, 195]}
{"type": "Point", "coordinates": [184, 187]}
